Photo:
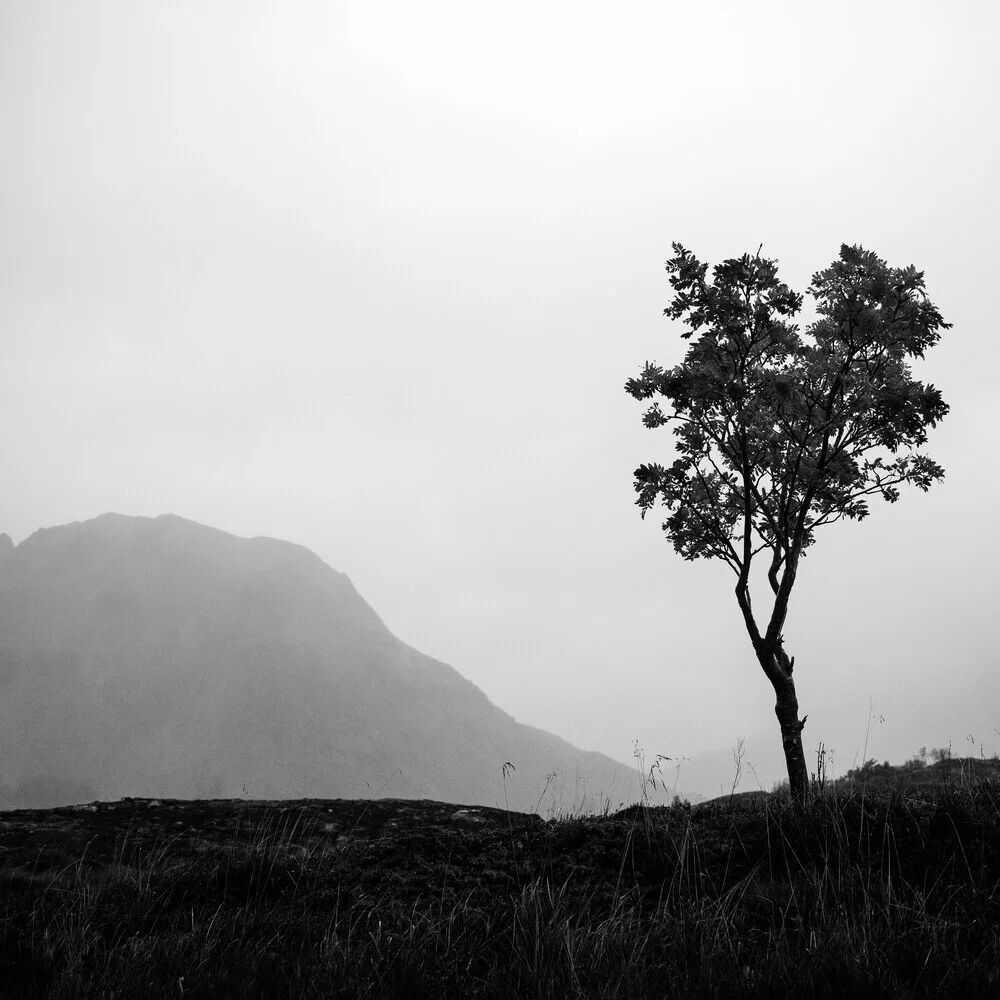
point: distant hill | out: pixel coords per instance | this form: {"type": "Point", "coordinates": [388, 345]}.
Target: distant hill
{"type": "Point", "coordinates": [921, 774]}
{"type": "Point", "coordinates": [159, 657]}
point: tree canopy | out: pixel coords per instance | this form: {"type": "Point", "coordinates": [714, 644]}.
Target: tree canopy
{"type": "Point", "coordinates": [780, 431]}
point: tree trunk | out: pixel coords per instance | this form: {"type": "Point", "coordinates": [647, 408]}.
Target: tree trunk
{"type": "Point", "coordinates": [786, 708]}
{"type": "Point", "coordinates": [778, 667]}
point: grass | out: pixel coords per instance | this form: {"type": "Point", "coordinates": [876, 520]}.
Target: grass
{"type": "Point", "coordinates": [863, 893]}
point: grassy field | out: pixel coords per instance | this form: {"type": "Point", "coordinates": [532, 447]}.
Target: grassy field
{"type": "Point", "coordinates": [866, 892]}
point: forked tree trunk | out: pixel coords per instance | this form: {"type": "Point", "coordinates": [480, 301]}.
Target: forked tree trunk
{"type": "Point", "coordinates": [786, 708]}
{"type": "Point", "coordinates": [778, 667]}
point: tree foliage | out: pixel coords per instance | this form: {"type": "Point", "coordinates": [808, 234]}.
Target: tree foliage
{"type": "Point", "coordinates": [779, 431]}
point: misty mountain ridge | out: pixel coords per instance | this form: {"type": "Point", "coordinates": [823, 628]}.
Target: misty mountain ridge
{"type": "Point", "coordinates": [158, 656]}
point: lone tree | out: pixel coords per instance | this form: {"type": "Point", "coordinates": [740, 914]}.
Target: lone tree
{"type": "Point", "coordinates": [779, 432]}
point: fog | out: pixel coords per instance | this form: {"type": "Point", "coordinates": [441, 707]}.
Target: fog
{"type": "Point", "coordinates": [370, 277]}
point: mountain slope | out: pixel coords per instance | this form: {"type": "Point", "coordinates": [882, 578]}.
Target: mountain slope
{"type": "Point", "coordinates": [156, 656]}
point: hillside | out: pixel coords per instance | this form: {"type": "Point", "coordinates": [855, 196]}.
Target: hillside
{"type": "Point", "coordinates": [941, 772]}
{"type": "Point", "coordinates": [159, 657]}
{"type": "Point", "coordinates": [857, 894]}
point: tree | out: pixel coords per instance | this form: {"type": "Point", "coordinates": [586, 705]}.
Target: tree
{"type": "Point", "coordinates": [780, 432]}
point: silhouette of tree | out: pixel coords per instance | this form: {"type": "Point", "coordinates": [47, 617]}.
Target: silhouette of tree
{"type": "Point", "coordinates": [778, 431]}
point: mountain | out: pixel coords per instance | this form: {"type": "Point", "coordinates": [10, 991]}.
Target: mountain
{"type": "Point", "coordinates": [159, 657]}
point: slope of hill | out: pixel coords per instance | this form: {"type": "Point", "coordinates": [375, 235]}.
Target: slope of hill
{"type": "Point", "coordinates": [156, 656]}
{"type": "Point", "coordinates": [942, 772]}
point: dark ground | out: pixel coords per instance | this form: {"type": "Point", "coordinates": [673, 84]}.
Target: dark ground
{"type": "Point", "coordinates": [860, 894]}
{"type": "Point", "coordinates": [34, 842]}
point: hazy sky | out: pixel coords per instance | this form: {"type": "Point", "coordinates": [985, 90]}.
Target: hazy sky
{"type": "Point", "coordinates": [370, 277]}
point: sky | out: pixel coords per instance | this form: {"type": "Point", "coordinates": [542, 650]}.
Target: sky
{"type": "Point", "coordinates": [371, 276]}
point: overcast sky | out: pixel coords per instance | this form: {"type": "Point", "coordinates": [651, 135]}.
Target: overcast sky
{"type": "Point", "coordinates": [370, 277]}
